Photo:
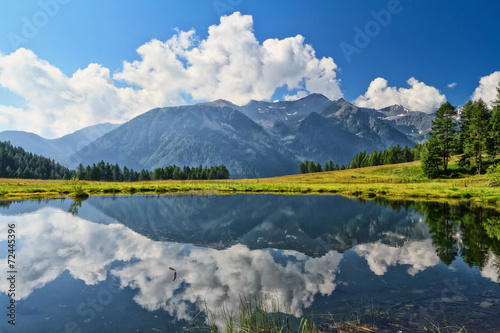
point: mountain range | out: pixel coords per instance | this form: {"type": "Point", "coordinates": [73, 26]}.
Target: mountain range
{"type": "Point", "coordinates": [259, 139]}
{"type": "Point", "coordinates": [61, 149]}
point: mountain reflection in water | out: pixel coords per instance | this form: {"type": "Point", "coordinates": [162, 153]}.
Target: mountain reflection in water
{"type": "Point", "coordinates": [299, 249]}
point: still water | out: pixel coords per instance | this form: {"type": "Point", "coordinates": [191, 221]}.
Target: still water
{"type": "Point", "coordinates": [103, 265]}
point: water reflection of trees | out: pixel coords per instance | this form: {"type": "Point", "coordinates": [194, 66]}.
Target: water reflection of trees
{"type": "Point", "coordinates": [466, 230]}
{"type": "Point", "coordinates": [310, 224]}
{"type": "Point", "coordinates": [458, 229]}
{"type": "Point", "coordinates": [75, 204]}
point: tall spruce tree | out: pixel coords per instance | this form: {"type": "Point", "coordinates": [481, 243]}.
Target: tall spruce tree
{"type": "Point", "coordinates": [493, 141]}
{"type": "Point", "coordinates": [478, 131]}
{"type": "Point", "coordinates": [394, 155]}
{"type": "Point", "coordinates": [374, 158]}
{"type": "Point", "coordinates": [494, 137]}
{"type": "Point", "coordinates": [463, 132]}
{"type": "Point", "coordinates": [303, 167]}
{"type": "Point", "coordinates": [407, 154]}
{"type": "Point", "coordinates": [430, 159]}
{"type": "Point", "coordinates": [496, 103]}
{"type": "Point", "coordinates": [443, 131]}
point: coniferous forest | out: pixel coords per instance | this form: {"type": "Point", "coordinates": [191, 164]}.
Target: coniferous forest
{"type": "Point", "coordinates": [113, 173]}
{"type": "Point", "coordinates": [362, 159]}
{"type": "Point", "coordinates": [475, 136]}
{"type": "Point", "coordinates": [15, 162]}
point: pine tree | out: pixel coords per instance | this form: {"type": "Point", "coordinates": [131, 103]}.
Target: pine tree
{"type": "Point", "coordinates": [108, 173]}
{"type": "Point", "coordinates": [366, 161]}
{"type": "Point", "coordinates": [80, 174]}
{"type": "Point", "coordinates": [494, 135]}
{"type": "Point", "coordinates": [157, 174]}
{"type": "Point", "coordinates": [303, 167]}
{"type": "Point", "coordinates": [357, 160]}
{"type": "Point", "coordinates": [443, 132]}
{"type": "Point", "coordinates": [8, 172]}
{"type": "Point", "coordinates": [311, 167]}
{"type": "Point", "coordinates": [463, 133]}
{"type": "Point", "coordinates": [476, 141]}
{"type": "Point", "coordinates": [394, 155]}
{"type": "Point", "coordinates": [407, 154]}
{"type": "Point", "coordinates": [126, 174]}
{"type": "Point", "coordinates": [494, 140]}
{"type": "Point", "coordinates": [417, 152]}
{"type": "Point", "coordinates": [496, 103]}
{"type": "Point", "coordinates": [144, 175]}
{"type": "Point", "coordinates": [117, 173]}
{"type": "Point", "coordinates": [223, 172]}
{"type": "Point", "coordinates": [430, 159]}
{"type": "Point", "coordinates": [88, 173]}
{"type": "Point", "coordinates": [95, 174]}
{"type": "Point", "coordinates": [177, 174]}
{"type": "Point", "coordinates": [374, 159]}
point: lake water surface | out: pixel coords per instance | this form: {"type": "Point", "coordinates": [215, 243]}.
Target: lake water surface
{"type": "Point", "coordinates": [102, 265]}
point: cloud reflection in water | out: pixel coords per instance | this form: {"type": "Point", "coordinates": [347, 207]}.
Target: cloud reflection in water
{"type": "Point", "coordinates": [52, 241]}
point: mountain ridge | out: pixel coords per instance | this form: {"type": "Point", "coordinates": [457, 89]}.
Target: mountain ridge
{"type": "Point", "coordinates": [60, 149]}
{"type": "Point", "coordinates": [258, 139]}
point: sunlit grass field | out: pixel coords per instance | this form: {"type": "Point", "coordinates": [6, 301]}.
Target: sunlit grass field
{"type": "Point", "coordinates": [398, 181]}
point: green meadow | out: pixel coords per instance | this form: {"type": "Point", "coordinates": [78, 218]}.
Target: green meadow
{"type": "Point", "coordinates": [396, 181]}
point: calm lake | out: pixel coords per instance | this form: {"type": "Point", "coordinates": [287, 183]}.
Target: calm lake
{"type": "Point", "coordinates": [102, 265]}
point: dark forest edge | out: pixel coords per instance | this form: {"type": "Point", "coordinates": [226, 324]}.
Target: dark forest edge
{"type": "Point", "coordinates": [394, 155]}
{"type": "Point", "coordinates": [113, 173]}
{"type": "Point", "coordinates": [15, 162]}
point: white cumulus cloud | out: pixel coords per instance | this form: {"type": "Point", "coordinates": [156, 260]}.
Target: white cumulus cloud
{"type": "Point", "coordinates": [487, 89]}
{"type": "Point", "coordinates": [56, 104]}
{"type": "Point", "coordinates": [230, 64]}
{"type": "Point", "coordinates": [452, 85]}
{"type": "Point", "coordinates": [419, 97]}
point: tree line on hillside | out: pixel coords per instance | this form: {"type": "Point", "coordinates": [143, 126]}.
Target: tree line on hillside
{"type": "Point", "coordinates": [474, 133]}
{"type": "Point", "coordinates": [113, 173]}
{"type": "Point", "coordinates": [392, 155]}
{"type": "Point", "coordinates": [15, 162]}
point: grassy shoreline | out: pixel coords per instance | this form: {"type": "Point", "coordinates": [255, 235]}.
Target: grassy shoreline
{"type": "Point", "coordinates": [267, 314]}
{"type": "Point", "coordinates": [391, 181]}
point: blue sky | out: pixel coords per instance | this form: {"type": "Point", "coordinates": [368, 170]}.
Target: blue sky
{"type": "Point", "coordinates": [447, 47]}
